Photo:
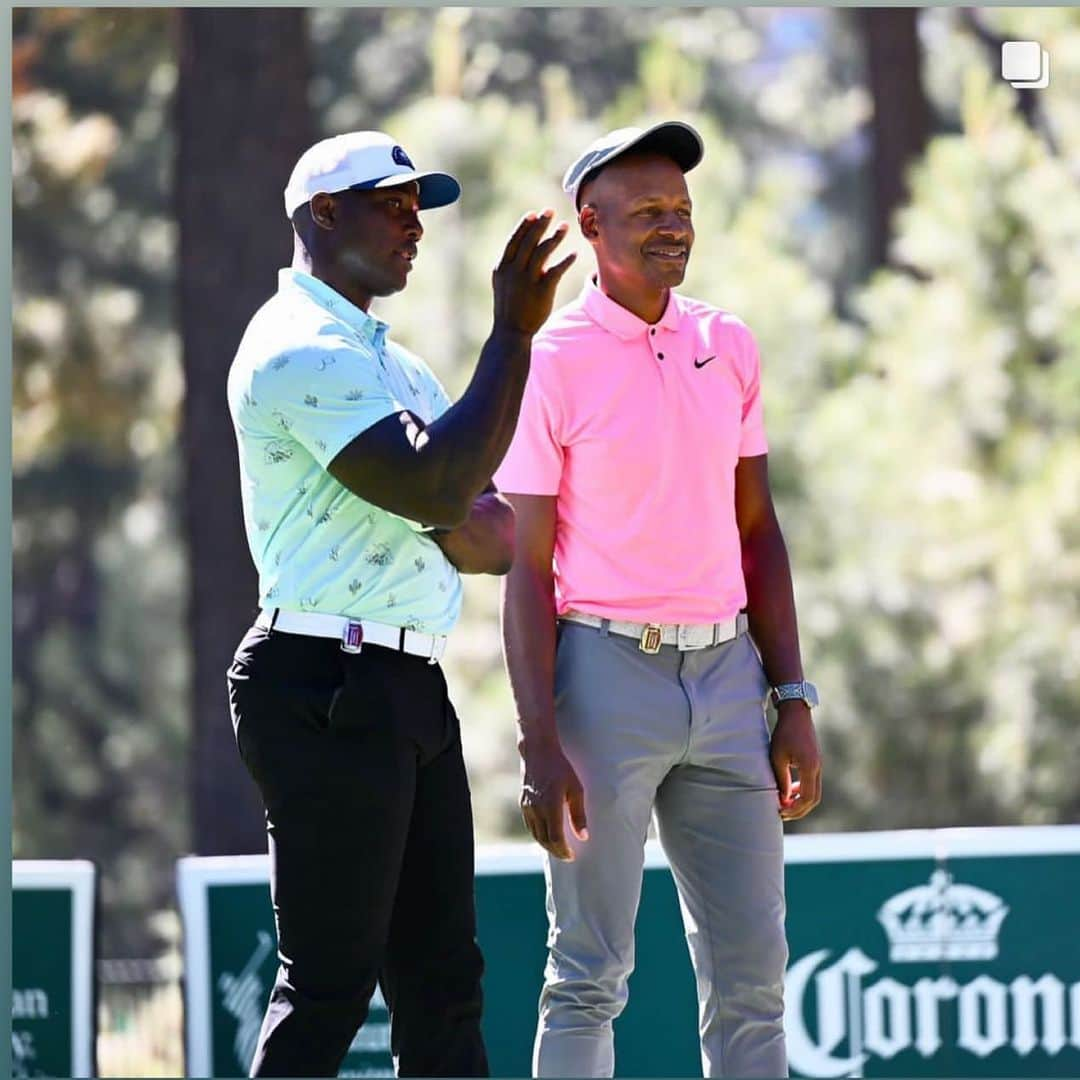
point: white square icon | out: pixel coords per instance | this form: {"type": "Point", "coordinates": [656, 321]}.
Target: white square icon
{"type": "Point", "coordinates": [1025, 64]}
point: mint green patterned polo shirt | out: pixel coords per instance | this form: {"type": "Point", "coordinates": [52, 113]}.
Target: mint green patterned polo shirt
{"type": "Point", "coordinates": [311, 373]}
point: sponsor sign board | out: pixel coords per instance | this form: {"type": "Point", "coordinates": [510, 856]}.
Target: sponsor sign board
{"type": "Point", "coordinates": [927, 953]}
{"type": "Point", "coordinates": [52, 968]}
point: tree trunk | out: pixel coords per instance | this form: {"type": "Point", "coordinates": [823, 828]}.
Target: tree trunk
{"type": "Point", "coordinates": [242, 120]}
{"type": "Point", "coordinates": [901, 121]}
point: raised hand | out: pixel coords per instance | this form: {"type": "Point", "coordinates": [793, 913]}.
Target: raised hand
{"type": "Point", "coordinates": [524, 289]}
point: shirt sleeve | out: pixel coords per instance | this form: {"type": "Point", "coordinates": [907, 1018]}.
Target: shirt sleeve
{"type": "Point", "coordinates": [752, 440]}
{"type": "Point", "coordinates": [533, 464]}
{"type": "Point", "coordinates": [323, 396]}
{"type": "Point", "coordinates": [438, 398]}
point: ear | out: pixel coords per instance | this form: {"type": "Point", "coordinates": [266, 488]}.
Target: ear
{"type": "Point", "coordinates": [588, 223]}
{"type": "Point", "coordinates": [323, 210]}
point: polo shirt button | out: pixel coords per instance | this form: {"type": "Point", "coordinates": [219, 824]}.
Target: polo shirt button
{"type": "Point", "coordinates": [659, 356]}
{"type": "Point", "coordinates": [652, 332]}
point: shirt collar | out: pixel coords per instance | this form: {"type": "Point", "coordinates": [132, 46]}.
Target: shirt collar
{"type": "Point", "coordinates": [367, 326]}
{"type": "Point", "coordinates": [624, 324]}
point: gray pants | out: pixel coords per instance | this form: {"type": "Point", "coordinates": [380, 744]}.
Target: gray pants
{"type": "Point", "coordinates": [682, 734]}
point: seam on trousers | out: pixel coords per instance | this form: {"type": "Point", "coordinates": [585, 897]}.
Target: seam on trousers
{"type": "Point", "coordinates": [713, 997]}
{"type": "Point", "coordinates": [685, 756]}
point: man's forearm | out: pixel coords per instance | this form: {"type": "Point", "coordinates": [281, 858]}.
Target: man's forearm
{"type": "Point", "coordinates": [467, 443]}
{"type": "Point", "coordinates": [528, 628]}
{"type": "Point", "coordinates": [771, 603]}
{"type": "Point", "coordinates": [434, 474]}
{"type": "Point", "coordinates": [484, 544]}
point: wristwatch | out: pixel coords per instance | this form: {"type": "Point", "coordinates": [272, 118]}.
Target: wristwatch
{"type": "Point", "coordinates": [789, 691]}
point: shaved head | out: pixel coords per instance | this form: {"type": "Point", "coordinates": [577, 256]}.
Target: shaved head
{"type": "Point", "coordinates": [633, 169]}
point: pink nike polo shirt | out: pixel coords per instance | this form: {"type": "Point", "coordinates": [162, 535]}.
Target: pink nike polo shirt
{"type": "Point", "coordinates": [637, 430]}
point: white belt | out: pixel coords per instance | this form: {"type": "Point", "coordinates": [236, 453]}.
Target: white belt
{"type": "Point", "coordinates": [684, 636]}
{"type": "Point", "coordinates": [354, 633]}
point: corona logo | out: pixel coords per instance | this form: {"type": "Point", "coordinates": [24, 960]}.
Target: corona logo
{"type": "Point", "coordinates": [942, 921]}
{"type": "Point", "coordinates": [852, 1016]}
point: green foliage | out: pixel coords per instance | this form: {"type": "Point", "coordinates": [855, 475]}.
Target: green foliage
{"type": "Point", "coordinates": [943, 487]}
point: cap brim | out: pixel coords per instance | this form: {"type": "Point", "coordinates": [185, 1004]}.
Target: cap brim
{"type": "Point", "coordinates": [436, 188]}
{"type": "Point", "coordinates": [672, 139]}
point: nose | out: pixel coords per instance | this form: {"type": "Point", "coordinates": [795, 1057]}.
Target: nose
{"type": "Point", "coordinates": [413, 229]}
{"type": "Point", "coordinates": [675, 226]}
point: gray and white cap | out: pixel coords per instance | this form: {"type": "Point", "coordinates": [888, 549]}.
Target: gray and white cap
{"type": "Point", "coordinates": [359, 160]}
{"type": "Point", "coordinates": [672, 138]}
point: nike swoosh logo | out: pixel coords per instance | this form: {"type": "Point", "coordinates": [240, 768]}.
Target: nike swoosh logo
{"type": "Point", "coordinates": [702, 363]}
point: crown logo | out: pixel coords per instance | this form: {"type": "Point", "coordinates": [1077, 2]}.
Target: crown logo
{"type": "Point", "coordinates": [942, 921]}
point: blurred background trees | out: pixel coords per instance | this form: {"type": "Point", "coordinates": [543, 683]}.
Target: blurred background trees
{"type": "Point", "coordinates": [912, 274]}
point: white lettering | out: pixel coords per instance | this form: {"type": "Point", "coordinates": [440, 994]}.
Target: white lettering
{"type": "Point", "coordinates": [982, 1039]}
{"type": "Point", "coordinates": [881, 1019]}
{"type": "Point", "coordinates": [887, 1008]}
{"type": "Point", "coordinates": [23, 1055]}
{"type": "Point", "coordinates": [1051, 992]}
{"type": "Point", "coordinates": [928, 992]}
{"type": "Point", "coordinates": [29, 1004]}
{"type": "Point", "coordinates": [815, 1058]}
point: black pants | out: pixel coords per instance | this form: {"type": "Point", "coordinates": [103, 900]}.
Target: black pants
{"type": "Point", "coordinates": [358, 758]}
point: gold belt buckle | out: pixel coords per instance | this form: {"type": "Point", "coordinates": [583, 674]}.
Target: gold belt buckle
{"type": "Point", "coordinates": [651, 639]}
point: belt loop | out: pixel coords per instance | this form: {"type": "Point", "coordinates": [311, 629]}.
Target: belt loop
{"type": "Point", "coordinates": [605, 625]}
{"type": "Point", "coordinates": [273, 619]}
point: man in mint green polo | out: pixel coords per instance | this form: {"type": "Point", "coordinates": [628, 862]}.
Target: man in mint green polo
{"type": "Point", "coordinates": [366, 493]}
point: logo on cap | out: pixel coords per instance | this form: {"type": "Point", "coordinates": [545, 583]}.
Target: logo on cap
{"type": "Point", "coordinates": [401, 158]}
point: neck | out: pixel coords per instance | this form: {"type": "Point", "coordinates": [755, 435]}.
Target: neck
{"type": "Point", "coordinates": [330, 274]}
{"type": "Point", "coordinates": [648, 303]}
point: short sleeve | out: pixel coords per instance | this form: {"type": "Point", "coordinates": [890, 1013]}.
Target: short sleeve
{"type": "Point", "coordinates": [752, 440]}
{"type": "Point", "coordinates": [323, 396]}
{"type": "Point", "coordinates": [438, 398]}
{"type": "Point", "coordinates": [533, 464]}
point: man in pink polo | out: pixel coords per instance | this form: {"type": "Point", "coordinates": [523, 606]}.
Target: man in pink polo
{"type": "Point", "coordinates": [648, 613]}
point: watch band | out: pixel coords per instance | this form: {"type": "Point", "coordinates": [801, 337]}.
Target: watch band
{"type": "Point", "coordinates": [803, 691]}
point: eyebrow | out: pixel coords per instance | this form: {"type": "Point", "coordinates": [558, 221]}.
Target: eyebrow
{"type": "Point", "coordinates": [645, 200]}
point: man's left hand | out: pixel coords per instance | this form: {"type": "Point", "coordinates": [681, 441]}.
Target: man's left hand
{"type": "Point", "coordinates": [794, 747]}
{"type": "Point", "coordinates": [484, 544]}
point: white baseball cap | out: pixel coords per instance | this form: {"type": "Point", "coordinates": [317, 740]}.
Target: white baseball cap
{"type": "Point", "coordinates": [673, 139]}
{"type": "Point", "coordinates": [360, 160]}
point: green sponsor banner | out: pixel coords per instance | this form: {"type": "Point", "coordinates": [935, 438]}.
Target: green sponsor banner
{"type": "Point", "coordinates": [937, 953]}
{"type": "Point", "coordinates": [947, 953]}
{"type": "Point", "coordinates": [52, 953]}
{"type": "Point", "coordinates": [230, 960]}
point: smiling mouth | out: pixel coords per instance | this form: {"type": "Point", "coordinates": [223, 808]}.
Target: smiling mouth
{"type": "Point", "coordinates": [406, 254]}
{"type": "Point", "coordinates": [670, 254]}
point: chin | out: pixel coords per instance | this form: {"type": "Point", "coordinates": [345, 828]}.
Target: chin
{"type": "Point", "coordinates": [669, 279]}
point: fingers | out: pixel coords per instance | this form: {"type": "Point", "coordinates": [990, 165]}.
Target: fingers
{"type": "Point", "coordinates": [545, 822]}
{"type": "Point", "coordinates": [810, 795]}
{"type": "Point", "coordinates": [542, 250]}
{"type": "Point", "coordinates": [804, 794]}
{"type": "Point", "coordinates": [536, 825]}
{"type": "Point", "coordinates": [784, 781]}
{"type": "Point", "coordinates": [575, 799]}
{"type": "Point", "coordinates": [512, 245]}
{"type": "Point", "coordinates": [554, 275]}
{"type": "Point", "coordinates": [526, 236]}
